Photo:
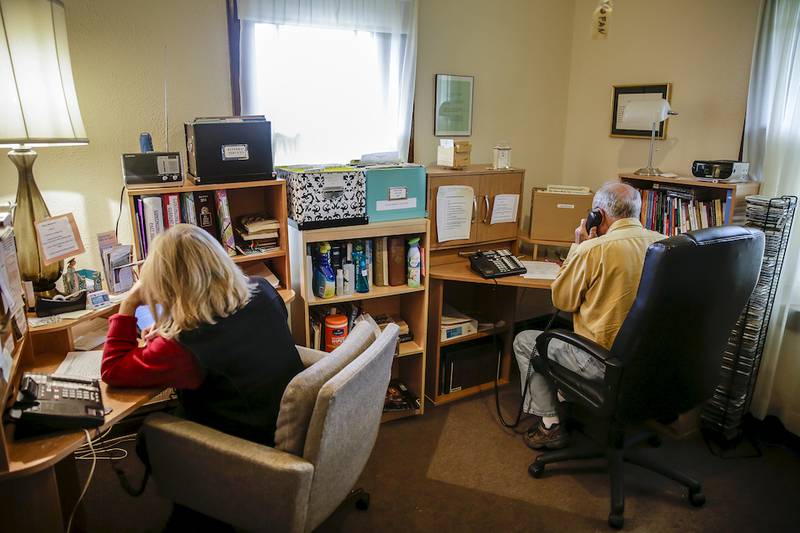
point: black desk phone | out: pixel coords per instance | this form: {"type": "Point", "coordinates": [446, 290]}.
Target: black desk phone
{"type": "Point", "coordinates": [47, 402]}
{"type": "Point", "coordinates": [496, 264]}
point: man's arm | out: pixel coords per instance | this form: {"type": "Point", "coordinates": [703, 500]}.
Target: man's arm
{"type": "Point", "coordinates": [572, 281]}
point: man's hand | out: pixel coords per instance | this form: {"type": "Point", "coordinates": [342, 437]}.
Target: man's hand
{"type": "Point", "coordinates": [134, 299]}
{"type": "Point", "coordinates": [581, 234]}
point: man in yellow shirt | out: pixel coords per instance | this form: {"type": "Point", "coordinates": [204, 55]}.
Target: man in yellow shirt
{"type": "Point", "coordinates": [597, 284]}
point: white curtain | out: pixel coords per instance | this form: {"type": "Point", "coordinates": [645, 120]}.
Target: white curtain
{"type": "Point", "coordinates": [335, 77]}
{"type": "Point", "coordinates": [772, 146]}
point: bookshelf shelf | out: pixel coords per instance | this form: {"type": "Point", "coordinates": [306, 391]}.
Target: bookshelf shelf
{"type": "Point", "coordinates": [408, 303]}
{"type": "Point", "coordinates": [264, 197]}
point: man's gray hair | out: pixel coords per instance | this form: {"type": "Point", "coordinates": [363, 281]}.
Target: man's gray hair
{"type": "Point", "coordinates": [618, 200]}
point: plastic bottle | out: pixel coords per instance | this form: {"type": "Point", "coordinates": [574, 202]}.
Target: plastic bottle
{"type": "Point", "coordinates": [414, 263]}
{"type": "Point", "coordinates": [324, 278]}
{"type": "Point", "coordinates": [361, 269]}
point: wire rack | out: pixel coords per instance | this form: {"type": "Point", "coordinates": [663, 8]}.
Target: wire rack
{"type": "Point", "coordinates": [725, 412]}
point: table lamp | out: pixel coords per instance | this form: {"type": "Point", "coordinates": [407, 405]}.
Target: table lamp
{"type": "Point", "coordinates": [38, 107]}
{"type": "Point", "coordinates": [651, 112]}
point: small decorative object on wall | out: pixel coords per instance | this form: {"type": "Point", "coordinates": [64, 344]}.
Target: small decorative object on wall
{"type": "Point", "coordinates": [453, 105]}
{"type": "Point", "coordinates": [637, 129]}
{"type": "Point", "coordinates": [600, 18]}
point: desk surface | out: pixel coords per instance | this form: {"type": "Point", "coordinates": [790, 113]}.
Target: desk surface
{"type": "Point", "coordinates": [460, 271]}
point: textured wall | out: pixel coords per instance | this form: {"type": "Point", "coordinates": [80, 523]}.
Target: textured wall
{"type": "Point", "coordinates": [117, 49]}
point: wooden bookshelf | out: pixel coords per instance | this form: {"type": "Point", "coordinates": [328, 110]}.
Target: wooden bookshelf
{"type": "Point", "coordinates": [265, 197]}
{"type": "Point", "coordinates": [410, 303]}
{"type": "Point", "coordinates": [732, 195]}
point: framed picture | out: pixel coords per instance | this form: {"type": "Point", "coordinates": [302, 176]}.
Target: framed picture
{"type": "Point", "coordinates": [453, 105]}
{"type": "Point", "coordinates": [623, 94]}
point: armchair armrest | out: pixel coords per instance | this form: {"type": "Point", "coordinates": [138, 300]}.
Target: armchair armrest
{"type": "Point", "coordinates": [309, 356]}
{"type": "Point", "coordinates": [598, 395]}
{"type": "Point", "coordinates": [246, 484]}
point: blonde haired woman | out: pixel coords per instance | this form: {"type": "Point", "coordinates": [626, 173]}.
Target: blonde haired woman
{"type": "Point", "coordinates": [221, 339]}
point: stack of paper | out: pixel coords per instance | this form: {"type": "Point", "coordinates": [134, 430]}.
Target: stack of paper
{"type": "Point", "coordinates": [540, 270]}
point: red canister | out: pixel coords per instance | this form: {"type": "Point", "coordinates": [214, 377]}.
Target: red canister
{"type": "Point", "coordinates": [335, 331]}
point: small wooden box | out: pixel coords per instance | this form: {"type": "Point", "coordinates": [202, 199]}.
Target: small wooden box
{"type": "Point", "coordinates": [554, 216]}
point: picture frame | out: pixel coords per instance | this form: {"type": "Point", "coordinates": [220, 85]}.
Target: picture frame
{"type": "Point", "coordinates": [625, 93]}
{"type": "Point", "coordinates": [453, 97]}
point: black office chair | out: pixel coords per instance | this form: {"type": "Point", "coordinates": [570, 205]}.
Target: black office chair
{"type": "Point", "coordinates": [666, 357]}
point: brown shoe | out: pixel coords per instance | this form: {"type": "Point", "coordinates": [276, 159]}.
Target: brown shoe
{"type": "Point", "coordinates": [541, 437]}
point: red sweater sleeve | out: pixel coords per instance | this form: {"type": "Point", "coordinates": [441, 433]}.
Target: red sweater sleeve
{"type": "Point", "coordinates": [161, 363]}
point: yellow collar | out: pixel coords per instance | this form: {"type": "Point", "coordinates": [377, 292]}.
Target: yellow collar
{"type": "Point", "coordinates": [624, 223]}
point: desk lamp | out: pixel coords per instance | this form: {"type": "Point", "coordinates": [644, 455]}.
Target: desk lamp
{"type": "Point", "coordinates": [38, 107]}
{"type": "Point", "coordinates": [649, 112]}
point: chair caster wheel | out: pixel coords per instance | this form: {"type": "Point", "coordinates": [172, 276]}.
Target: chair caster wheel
{"type": "Point", "coordinates": [616, 520]}
{"type": "Point", "coordinates": [697, 498]}
{"type": "Point", "coordinates": [362, 503]}
{"type": "Point", "coordinates": [536, 470]}
{"type": "Point", "coordinates": [654, 441]}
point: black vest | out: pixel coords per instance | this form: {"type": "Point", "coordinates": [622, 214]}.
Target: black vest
{"type": "Point", "coordinates": [247, 359]}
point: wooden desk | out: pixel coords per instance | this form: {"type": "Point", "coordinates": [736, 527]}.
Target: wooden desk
{"type": "Point", "coordinates": [464, 287]}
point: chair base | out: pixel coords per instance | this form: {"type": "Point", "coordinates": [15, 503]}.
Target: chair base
{"type": "Point", "coordinates": [616, 457]}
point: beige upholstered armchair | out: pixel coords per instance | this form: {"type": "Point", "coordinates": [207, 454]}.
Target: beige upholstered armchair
{"type": "Point", "coordinates": [327, 426]}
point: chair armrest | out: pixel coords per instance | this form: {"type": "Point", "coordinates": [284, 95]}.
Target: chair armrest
{"type": "Point", "coordinates": [309, 356]}
{"type": "Point", "coordinates": [246, 484]}
{"type": "Point", "coordinates": [581, 389]}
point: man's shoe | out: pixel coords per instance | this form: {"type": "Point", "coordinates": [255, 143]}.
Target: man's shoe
{"type": "Point", "coordinates": [541, 437]}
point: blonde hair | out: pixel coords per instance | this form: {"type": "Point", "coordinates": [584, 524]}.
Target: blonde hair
{"type": "Point", "coordinates": [193, 281]}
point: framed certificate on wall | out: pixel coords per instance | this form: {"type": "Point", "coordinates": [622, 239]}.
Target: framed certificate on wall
{"type": "Point", "coordinates": [453, 105]}
{"type": "Point", "coordinates": [624, 94]}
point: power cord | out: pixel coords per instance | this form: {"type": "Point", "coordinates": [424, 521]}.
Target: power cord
{"type": "Point", "coordinates": [119, 214]}
{"type": "Point", "coordinates": [88, 481]}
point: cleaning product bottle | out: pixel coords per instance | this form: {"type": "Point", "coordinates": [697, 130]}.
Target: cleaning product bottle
{"type": "Point", "coordinates": [361, 270]}
{"type": "Point", "coordinates": [414, 263]}
{"type": "Point", "coordinates": [324, 278]}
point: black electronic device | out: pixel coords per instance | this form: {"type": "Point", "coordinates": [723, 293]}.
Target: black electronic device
{"type": "Point", "coordinates": [593, 220]}
{"type": "Point", "coordinates": [720, 169]}
{"type": "Point", "coordinates": [48, 402]}
{"type": "Point", "coordinates": [496, 264]}
{"type": "Point", "coordinates": [152, 169]}
{"type": "Point", "coordinates": [229, 149]}
{"type": "Point", "coordinates": [60, 304]}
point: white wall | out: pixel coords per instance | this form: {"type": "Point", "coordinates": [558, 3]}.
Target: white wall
{"type": "Point", "coordinates": [117, 49]}
{"type": "Point", "coordinates": [518, 51]}
{"type": "Point", "coordinates": [703, 47]}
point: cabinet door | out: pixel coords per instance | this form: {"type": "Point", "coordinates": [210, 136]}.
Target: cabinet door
{"type": "Point", "coordinates": [433, 188]}
{"type": "Point", "coordinates": [491, 185]}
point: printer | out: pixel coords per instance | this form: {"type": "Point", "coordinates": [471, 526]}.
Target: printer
{"type": "Point", "coordinates": [721, 169]}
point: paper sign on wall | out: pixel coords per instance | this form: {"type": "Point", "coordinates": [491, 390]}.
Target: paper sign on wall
{"type": "Point", "coordinates": [58, 238]}
{"type": "Point", "coordinates": [505, 208]}
{"type": "Point", "coordinates": [454, 212]}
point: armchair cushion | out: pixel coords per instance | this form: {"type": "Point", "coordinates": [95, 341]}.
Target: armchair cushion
{"type": "Point", "coordinates": [297, 404]}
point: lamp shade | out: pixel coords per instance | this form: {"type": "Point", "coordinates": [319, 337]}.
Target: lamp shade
{"type": "Point", "coordinates": [38, 104]}
{"type": "Point", "coordinates": [645, 112]}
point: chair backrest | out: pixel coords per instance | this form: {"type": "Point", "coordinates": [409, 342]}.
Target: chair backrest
{"type": "Point", "coordinates": [297, 403]}
{"type": "Point", "coordinates": [693, 288]}
{"type": "Point", "coordinates": [345, 424]}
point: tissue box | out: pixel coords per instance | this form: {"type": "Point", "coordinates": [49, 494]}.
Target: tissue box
{"type": "Point", "coordinates": [396, 192]}
{"type": "Point", "coordinates": [453, 154]}
{"type": "Point", "coordinates": [324, 196]}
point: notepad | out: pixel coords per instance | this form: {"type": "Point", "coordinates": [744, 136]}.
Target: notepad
{"type": "Point", "coordinates": [84, 365]}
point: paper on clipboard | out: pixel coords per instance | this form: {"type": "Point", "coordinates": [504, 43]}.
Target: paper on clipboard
{"type": "Point", "coordinates": [505, 208]}
{"type": "Point", "coordinates": [454, 212]}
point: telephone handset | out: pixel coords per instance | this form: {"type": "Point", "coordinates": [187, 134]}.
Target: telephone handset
{"type": "Point", "coordinates": [496, 264]}
{"type": "Point", "coordinates": [593, 219]}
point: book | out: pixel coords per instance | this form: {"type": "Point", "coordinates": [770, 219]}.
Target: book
{"type": "Point", "coordinates": [399, 397]}
{"type": "Point", "coordinates": [381, 262]}
{"type": "Point", "coordinates": [257, 223]}
{"type": "Point", "coordinates": [206, 212]}
{"type": "Point", "coordinates": [153, 217]}
{"type": "Point", "coordinates": [172, 209]}
{"type": "Point", "coordinates": [187, 208]}
{"type": "Point", "coordinates": [140, 227]}
{"type": "Point", "coordinates": [224, 221]}
{"type": "Point", "coordinates": [397, 261]}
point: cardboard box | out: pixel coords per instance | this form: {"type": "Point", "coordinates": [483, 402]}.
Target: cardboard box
{"type": "Point", "coordinates": [455, 156]}
{"type": "Point", "coordinates": [554, 216]}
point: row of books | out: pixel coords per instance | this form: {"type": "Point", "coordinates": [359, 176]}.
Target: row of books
{"type": "Point", "coordinates": [673, 210]}
{"type": "Point", "coordinates": [209, 210]}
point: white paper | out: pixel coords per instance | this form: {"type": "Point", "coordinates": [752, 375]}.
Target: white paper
{"type": "Point", "coordinates": [6, 360]}
{"type": "Point", "coordinates": [57, 238]}
{"type": "Point", "coordinates": [84, 365]}
{"type": "Point", "coordinates": [454, 212]}
{"type": "Point", "coordinates": [540, 270]}
{"type": "Point", "coordinates": [390, 205]}
{"type": "Point", "coordinates": [505, 208]}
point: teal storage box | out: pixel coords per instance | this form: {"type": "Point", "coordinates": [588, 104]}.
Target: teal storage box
{"type": "Point", "coordinates": [396, 192]}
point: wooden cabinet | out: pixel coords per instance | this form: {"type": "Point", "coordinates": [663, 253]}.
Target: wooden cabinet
{"type": "Point", "coordinates": [486, 184]}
